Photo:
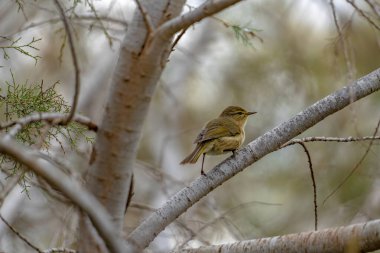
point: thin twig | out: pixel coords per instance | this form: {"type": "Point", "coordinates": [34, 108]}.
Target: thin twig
{"type": "Point", "coordinates": [146, 17]}
{"type": "Point", "coordinates": [11, 183]}
{"type": "Point", "coordinates": [23, 238]}
{"type": "Point", "coordinates": [314, 184]}
{"type": "Point", "coordinates": [373, 7]}
{"type": "Point", "coordinates": [208, 8]}
{"type": "Point", "coordinates": [331, 139]}
{"type": "Point", "coordinates": [142, 206]}
{"type": "Point", "coordinates": [73, 20]}
{"type": "Point", "coordinates": [355, 167]}
{"type": "Point", "coordinates": [337, 139]}
{"type": "Point", "coordinates": [223, 215]}
{"type": "Point", "coordinates": [178, 38]}
{"type": "Point", "coordinates": [343, 43]}
{"type": "Point", "coordinates": [92, 7]}
{"type": "Point", "coordinates": [244, 30]}
{"type": "Point", "coordinates": [192, 235]}
{"type": "Point", "coordinates": [361, 12]}
{"type": "Point", "coordinates": [75, 62]}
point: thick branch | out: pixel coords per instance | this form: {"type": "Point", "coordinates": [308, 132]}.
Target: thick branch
{"type": "Point", "coordinates": [71, 189]}
{"type": "Point", "coordinates": [255, 150]}
{"type": "Point", "coordinates": [208, 8]}
{"type": "Point", "coordinates": [363, 237]}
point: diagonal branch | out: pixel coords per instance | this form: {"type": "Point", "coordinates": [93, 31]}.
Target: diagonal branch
{"type": "Point", "coordinates": [255, 150]}
{"type": "Point", "coordinates": [210, 7]}
{"type": "Point", "coordinates": [19, 235]}
{"type": "Point", "coordinates": [362, 13]}
{"type": "Point", "coordinates": [70, 188]}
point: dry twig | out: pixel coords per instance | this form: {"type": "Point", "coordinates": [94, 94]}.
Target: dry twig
{"type": "Point", "coordinates": [23, 238]}
{"type": "Point", "coordinates": [75, 62]}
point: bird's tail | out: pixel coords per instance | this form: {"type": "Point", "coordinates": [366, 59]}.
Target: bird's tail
{"type": "Point", "coordinates": [193, 157]}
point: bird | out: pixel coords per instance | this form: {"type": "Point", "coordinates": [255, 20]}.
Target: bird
{"type": "Point", "coordinates": [220, 135]}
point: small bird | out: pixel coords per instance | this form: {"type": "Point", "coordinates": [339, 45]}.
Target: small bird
{"type": "Point", "coordinates": [221, 135]}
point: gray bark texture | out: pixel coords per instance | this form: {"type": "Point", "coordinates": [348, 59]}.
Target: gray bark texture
{"type": "Point", "coordinates": [134, 81]}
{"type": "Point", "coordinates": [363, 237]}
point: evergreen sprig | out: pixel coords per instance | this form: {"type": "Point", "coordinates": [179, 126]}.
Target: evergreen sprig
{"type": "Point", "coordinates": [22, 100]}
{"type": "Point", "coordinates": [245, 35]}
{"type": "Point", "coordinates": [23, 48]}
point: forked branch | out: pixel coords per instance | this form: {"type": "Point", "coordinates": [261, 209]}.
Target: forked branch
{"type": "Point", "coordinates": [210, 7]}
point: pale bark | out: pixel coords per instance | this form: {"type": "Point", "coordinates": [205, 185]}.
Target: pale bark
{"type": "Point", "coordinates": [136, 76]}
{"type": "Point", "coordinates": [134, 82]}
{"type": "Point", "coordinates": [255, 150]}
{"type": "Point", "coordinates": [208, 8]}
{"type": "Point", "coordinates": [55, 117]}
{"type": "Point", "coordinates": [363, 237]}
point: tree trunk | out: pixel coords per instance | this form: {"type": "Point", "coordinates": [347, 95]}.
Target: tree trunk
{"type": "Point", "coordinates": [138, 70]}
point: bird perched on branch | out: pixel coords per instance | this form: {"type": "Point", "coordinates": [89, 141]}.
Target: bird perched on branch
{"type": "Point", "coordinates": [220, 135]}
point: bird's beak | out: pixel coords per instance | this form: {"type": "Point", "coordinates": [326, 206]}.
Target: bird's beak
{"type": "Point", "coordinates": [250, 113]}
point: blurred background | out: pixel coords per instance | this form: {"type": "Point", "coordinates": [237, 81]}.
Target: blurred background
{"type": "Point", "coordinates": [273, 57]}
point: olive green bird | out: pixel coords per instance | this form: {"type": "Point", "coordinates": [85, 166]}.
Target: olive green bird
{"type": "Point", "coordinates": [221, 135]}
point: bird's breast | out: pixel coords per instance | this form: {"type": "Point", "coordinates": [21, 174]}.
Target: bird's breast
{"type": "Point", "coordinates": [225, 144]}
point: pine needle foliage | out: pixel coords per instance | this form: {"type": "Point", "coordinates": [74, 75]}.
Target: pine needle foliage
{"type": "Point", "coordinates": [245, 35]}
{"type": "Point", "coordinates": [21, 100]}
{"type": "Point", "coordinates": [24, 48]}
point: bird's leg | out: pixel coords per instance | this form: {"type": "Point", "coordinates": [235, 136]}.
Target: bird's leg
{"type": "Point", "coordinates": [203, 160]}
{"type": "Point", "coordinates": [233, 152]}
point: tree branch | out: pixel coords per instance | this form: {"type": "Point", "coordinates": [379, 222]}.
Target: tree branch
{"type": "Point", "coordinates": [210, 7]}
{"type": "Point", "coordinates": [314, 184]}
{"type": "Point", "coordinates": [75, 62]}
{"type": "Point", "coordinates": [60, 250]}
{"type": "Point", "coordinates": [362, 13]}
{"type": "Point", "coordinates": [146, 17]}
{"type": "Point", "coordinates": [19, 235]}
{"type": "Point", "coordinates": [330, 139]}
{"type": "Point", "coordinates": [357, 165]}
{"type": "Point", "coordinates": [364, 237]}
{"type": "Point", "coordinates": [255, 150]}
{"type": "Point", "coordinates": [343, 43]}
{"type": "Point", "coordinates": [57, 118]}
{"type": "Point", "coordinates": [71, 189]}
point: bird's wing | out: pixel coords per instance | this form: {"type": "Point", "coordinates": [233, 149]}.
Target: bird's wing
{"type": "Point", "coordinates": [216, 128]}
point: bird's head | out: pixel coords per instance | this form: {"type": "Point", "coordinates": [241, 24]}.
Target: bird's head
{"type": "Point", "coordinates": [237, 113]}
